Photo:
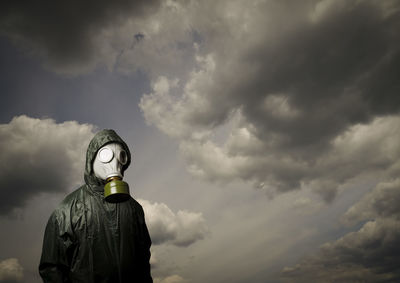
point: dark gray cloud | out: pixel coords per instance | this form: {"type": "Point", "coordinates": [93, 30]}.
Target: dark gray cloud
{"type": "Point", "coordinates": [336, 71]}
{"type": "Point", "coordinates": [370, 254]}
{"type": "Point", "coordinates": [382, 202]}
{"type": "Point", "coordinates": [292, 85]}
{"type": "Point", "coordinates": [64, 32]}
{"type": "Point", "coordinates": [39, 155]}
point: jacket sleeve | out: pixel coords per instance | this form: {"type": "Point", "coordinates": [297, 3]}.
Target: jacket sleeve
{"type": "Point", "coordinates": [147, 256]}
{"type": "Point", "coordinates": [54, 265]}
{"type": "Point", "coordinates": [146, 244]}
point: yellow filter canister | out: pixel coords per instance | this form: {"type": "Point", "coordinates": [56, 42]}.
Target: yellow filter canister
{"type": "Point", "coordinates": [116, 191]}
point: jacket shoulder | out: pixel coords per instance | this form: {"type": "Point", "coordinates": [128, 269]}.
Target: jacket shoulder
{"type": "Point", "coordinates": [137, 210]}
{"type": "Point", "coordinates": [72, 199]}
{"type": "Point", "coordinates": [71, 204]}
{"type": "Point", "coordinates": [137, 206]}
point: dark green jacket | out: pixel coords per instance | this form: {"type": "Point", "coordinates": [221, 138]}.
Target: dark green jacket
{"type": "Point", "coordinates": [90, 240]}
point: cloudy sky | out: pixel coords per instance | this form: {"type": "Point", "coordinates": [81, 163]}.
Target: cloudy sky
{"type": "Point", "coordinates": [265, 134]}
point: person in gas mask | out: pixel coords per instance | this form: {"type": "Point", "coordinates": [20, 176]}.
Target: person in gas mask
{"type": "Point", "coordinates": [98, 233]}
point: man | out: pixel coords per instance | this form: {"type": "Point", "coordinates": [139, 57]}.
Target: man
{"type": "Point", "coordinates": [90, 239]}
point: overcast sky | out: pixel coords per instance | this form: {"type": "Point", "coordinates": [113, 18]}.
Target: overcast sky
{"type": "Point", "coordinates": [265, 134]}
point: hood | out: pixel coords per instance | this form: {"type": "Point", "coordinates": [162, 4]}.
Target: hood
{"type": "Point", "coordinates": [99, 140]}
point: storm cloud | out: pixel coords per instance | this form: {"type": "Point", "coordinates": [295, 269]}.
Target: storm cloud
{"type": "Point", "coordinates": [66, 33]}
{"type": "Point", "coordinates": [40, 155]}
{"type": "Point", "coordinates": [370, 254]}
{"type": "Point", "coordinates": [382, 202]}
{"type": "Point", "coordinates": [289, 97]}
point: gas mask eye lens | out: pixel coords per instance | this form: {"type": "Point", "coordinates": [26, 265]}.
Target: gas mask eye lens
{"type": "Point", "coordinates": [123, 158]}
{"type": "Point", "coordinates": [106, 155]}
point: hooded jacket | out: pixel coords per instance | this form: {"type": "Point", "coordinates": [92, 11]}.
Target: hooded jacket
{"type": "Point", "coordinates": [89, 240]}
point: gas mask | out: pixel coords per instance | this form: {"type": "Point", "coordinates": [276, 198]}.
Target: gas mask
{"type": "Point", "coordinates": [107, 166]}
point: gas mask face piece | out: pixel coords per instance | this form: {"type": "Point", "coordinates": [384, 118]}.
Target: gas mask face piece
{"type": "Point", "coordinates": [107, 166]}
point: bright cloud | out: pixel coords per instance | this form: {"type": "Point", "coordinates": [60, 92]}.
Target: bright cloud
{"type": "Point", "coordinates": [40, 155]}
{"type": "Point", "coordinates": [11, 270]}
{"type": "Point", "coordinates": [181, 229]}
{"type": "Point", "coordinates": [170, 279]}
